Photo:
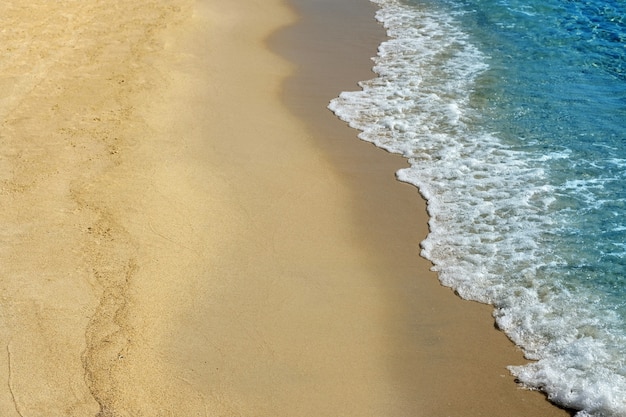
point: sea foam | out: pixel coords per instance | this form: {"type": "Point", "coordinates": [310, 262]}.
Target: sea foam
{"type": "Point", "coordinates": [494, 212]}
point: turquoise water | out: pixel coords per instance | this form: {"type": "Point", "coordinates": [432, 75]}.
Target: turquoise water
{"type": "Point", "coordinates": [513, 116]}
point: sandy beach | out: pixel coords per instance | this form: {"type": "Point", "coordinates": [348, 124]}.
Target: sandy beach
{"type": "Point", "coordinates": [188, 231]}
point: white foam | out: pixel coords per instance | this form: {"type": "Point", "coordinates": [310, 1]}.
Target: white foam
{"type": "Point", "coordinates": [488, 206]}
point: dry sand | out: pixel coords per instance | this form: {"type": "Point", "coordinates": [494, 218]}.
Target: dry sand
{"type": "Point", "coordinates": [177, 242]}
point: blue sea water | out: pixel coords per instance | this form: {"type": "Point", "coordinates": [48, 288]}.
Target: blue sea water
{"type": "Point", "coordinates": [512, 114]}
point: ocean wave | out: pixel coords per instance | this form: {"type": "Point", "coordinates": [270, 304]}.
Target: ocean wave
{"type": "Point", "coordinates": [496, 218]}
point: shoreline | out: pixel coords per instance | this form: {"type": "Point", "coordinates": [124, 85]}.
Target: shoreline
{"type": "Point", "coordinates": [349, 62]}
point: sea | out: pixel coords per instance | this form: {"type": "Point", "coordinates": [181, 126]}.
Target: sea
{"type": "Point", "coordinates": [512, 114]}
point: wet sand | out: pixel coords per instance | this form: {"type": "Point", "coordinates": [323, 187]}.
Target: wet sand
{"type": "Point", "coordinates": [188, 232]}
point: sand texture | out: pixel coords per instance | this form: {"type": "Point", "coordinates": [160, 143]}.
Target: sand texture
{"type": "Point", "coordinates": [177, 240]}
